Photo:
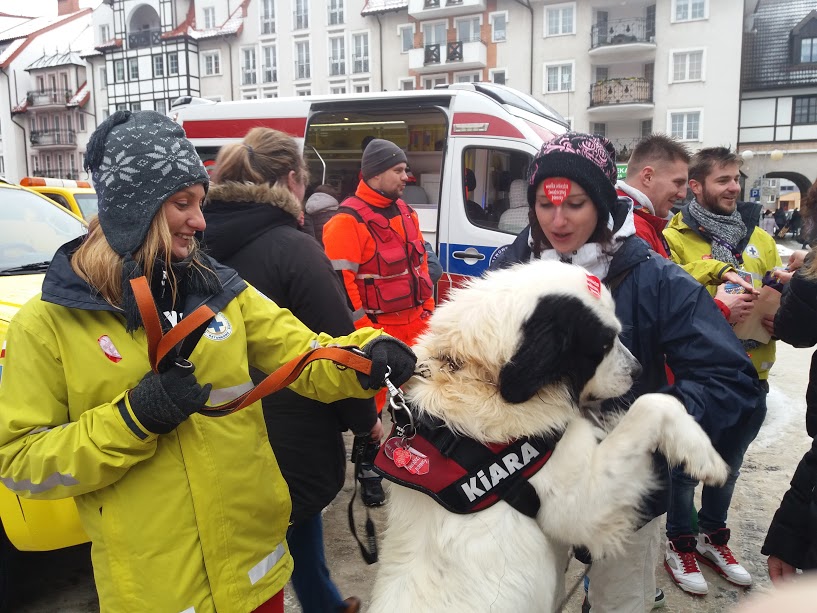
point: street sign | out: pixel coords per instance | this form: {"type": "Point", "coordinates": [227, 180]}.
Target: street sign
{"type": "Point", "coordinates": [754, 193]}
{"type": "Point", "coordinates": [622, 171]}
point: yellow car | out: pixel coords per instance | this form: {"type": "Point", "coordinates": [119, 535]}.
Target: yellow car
{"type": "Point", "coordinates": [76, 196]}
{"type": "Point", "coordinates": [32, 228]}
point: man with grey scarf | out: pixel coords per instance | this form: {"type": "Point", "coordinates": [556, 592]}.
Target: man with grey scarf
{"type": "Point", "coordinates": [714, 238]}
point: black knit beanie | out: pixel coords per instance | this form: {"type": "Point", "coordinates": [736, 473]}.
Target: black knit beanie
{"type": "Point", "coordinates": [379, 156]}
{"type": "Point", "coordinates": [137, 161]}
{"type": "Point", "coordinates": [588, 160]}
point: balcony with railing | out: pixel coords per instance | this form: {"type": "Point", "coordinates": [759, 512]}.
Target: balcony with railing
{"type": "Point", "coordinates": [48, 97]}
{"type": "Point", "coordinates": [623, 40]}
{"type": "Point", "coordinates": [360, 64]}
{"type": "Point", "coordinates": [145, 38]}
{"type": "Point", "coordinates": [434, 9]}
{"type": "Point", "coordinates": [621, 97]}
{"type": "Point", "coordinates": [624, 148]}
{"type": "Point", "coordinates": [53, 139]}
{"type": "Point", "coordinates": [454, 55]}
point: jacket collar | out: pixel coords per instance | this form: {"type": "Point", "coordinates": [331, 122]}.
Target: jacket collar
{"type": "Point", "coordinates": [639, 198]}
{"type": "Point", "coordinates": [275, 195]}
{"type": "Point", "coordinates": [371, 196]}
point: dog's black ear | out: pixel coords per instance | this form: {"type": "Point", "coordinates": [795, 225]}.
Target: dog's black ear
{"type": "Point", "coordinates": [562, 341]}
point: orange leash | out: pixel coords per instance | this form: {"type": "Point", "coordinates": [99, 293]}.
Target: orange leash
{"type": "Point", "coordinates": [159, 345]}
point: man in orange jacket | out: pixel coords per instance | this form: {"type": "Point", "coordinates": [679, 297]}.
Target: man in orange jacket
{"type": "Point", "coordinates": [374, 242]}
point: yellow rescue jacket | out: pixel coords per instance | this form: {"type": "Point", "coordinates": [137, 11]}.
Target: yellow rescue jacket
{"type": "Point", "coordinates": [190, 521]}
{"type": "Point", "coordinates": [694, 253]}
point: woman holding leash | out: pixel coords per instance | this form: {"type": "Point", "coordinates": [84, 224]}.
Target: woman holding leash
{"type": "Point", "coordinates": [668, 319]}
{"type": "Point", "coordinates": [185, 512]}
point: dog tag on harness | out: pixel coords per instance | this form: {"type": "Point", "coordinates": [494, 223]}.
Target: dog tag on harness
{"type": "Point", "coordinates": [401, 457]}
{"type": "Point", "coordinates": [419, 463]}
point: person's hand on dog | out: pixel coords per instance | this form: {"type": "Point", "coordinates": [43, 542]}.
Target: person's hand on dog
{"type": "Point", "coordinates": [387, 352]}
{"type": "Point", "coordinates": [163, 401]}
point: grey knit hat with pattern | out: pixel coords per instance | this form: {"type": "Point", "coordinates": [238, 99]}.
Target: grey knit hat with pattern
{"type": "Point", "coordinates": [378, 156]}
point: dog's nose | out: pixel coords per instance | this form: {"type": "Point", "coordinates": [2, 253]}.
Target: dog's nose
{"type": "Point", "coordinates": [636, 370]}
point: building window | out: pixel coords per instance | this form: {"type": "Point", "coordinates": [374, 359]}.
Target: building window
{"type": "Point", "coordinates": [468, 77]}
{"type": "Point", "coordinates": [560, 19]}
{"type": "Point", "coordinates": [160, 106]}
{"type": "Point", "coordinates": [270, 94]}
{"type": "Point", "coordinates": [119, 70]}
{"type": "Point", "coordinates": [133, 69]}
{"type": "Point", "coordinates": [302, 63]}
{"type": "Point", "coordinates": [689, 10]}
{"type": "Point", "coordinates": [136, 106]}
{"type": "Point", "coordinates": [173, 63]}
{"type": "Point", "coordinates": [808, 50]}
{"type": "Point", "coordinates": [335, 12]}
{"type": "Point", "coordinates": [687, 66]}
{"type": "Point", "coordinates": [158, 66]}
{"type": "Point", "coordinates": [301, 14]}
{"type": "Point", "coordinates": [337, 89]}
{"type": "Point", "coordinates": [805, 110]}
{"type": "Point", "coordinates": [303, 92]}
{"type": "Point", "coordinates": [248, 74]}
{"type": "Point", "coordinates": [249, 96]}
{"type": "Point", "coordinates": [558, 78]}
{"type": "Point", "coordinates": [499, 25]}
{"type": "Point", "coordinates": [405, 85]}
{"type": "Point", "coordinates": [270, 69]}
{"type": "Point", "coordinates": [497, 76]}
{"type": "Point", "coordinates": [360, 43]}
{"type": "Point", "coordinates": [337, 56]}
{"type": "Point", "coordinates": [406, 38]}
{"type": "Point", "coordinates": [467, 29]}
{"type": "Point", "coordinates": [212, 62]}
{"type": "Point", "coordinates": [685, 125]}
{"type": "Point", "coordinates": [432, 82]}
{"type": "Point", "coordinates": [599, 129]}
{"type": "Point", "coordinates": [103, 76]}
{"type": "Point", "coordinates": [81, 121]}
{"type": "Point", "coordinates": [104, 33]}
{"type": "Point", "coordinates": [267, 16]}
{"type": "Point", "coordinates": [646, 128]}
{"type": "Point", "coordinates": [209, 17]}
{"type": "Point", "coordinates": [361, 88]}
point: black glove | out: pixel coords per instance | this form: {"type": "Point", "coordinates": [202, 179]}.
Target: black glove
{"type": "Point", "coordinates": [364, 449]}
{"type": "Point", "coordinates": [161, 402]}
{"type": "Point", "coordinates": [386, 351]}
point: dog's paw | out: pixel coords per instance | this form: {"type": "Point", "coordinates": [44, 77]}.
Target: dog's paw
{"type": "Point", "coordinates": [707, 466]}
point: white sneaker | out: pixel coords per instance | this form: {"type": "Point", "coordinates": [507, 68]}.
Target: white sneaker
{"type": "Point", "coordinates": [713, 551]}
{"type": "Point", "coordinates": [682, 566]}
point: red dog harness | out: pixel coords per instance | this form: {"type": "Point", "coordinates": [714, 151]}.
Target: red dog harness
{"type": "Point", "coordinates": [462, 475]}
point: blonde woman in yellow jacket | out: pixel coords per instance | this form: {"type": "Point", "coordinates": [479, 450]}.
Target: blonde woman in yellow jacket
{"type": "Point", "coordinates": [186, 513]}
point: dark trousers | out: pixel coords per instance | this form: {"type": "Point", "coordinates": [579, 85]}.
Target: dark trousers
{"type": "Point", "coordinates": [310, 578]}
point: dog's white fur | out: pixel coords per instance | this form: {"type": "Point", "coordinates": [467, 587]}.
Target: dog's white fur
{"type": "Point", "coordinates": [498, 559]}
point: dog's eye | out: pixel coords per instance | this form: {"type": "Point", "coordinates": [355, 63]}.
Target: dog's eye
{"type": "Point", "coordinates": [606, 347]}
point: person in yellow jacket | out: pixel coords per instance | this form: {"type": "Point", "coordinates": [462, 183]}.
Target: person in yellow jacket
{"type": "Point", "coordinates": [186, 513]}
{"type": "Point", "coordinates": [714, 239]}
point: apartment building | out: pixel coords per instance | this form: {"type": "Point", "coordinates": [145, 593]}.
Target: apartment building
{"type": "Point", "coordinates": [778, 100]}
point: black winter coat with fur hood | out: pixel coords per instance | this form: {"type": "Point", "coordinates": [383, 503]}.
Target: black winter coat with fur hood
{"type": "Point", "coordinates": [254, 230]}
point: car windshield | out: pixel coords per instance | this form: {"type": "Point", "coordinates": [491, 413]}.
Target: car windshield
{"type": "Point", "coordinates": [88, 204]}
{"type": "Point", "coordinates": [32, 228]}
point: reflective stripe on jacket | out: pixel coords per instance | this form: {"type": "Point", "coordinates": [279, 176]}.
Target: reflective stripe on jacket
{"type": "Point", "coordinates": [191, 520]}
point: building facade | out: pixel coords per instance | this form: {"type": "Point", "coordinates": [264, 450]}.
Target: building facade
{"type": "Point", "coordinates": [778, 100]}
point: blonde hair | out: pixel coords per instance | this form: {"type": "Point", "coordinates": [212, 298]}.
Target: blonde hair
{"type": "Point", "coordinates": [96, 263]}
{"type": "Point", "coordinates": [264, 156]}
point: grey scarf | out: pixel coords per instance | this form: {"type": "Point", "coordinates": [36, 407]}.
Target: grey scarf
{"type": "Point", "coordinates": [726, 232]}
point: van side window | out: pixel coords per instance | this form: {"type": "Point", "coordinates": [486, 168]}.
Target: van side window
{"type": "Point", "coordinates": [58, 199]}
{"type": "Point", "coordinates": [494, 188]}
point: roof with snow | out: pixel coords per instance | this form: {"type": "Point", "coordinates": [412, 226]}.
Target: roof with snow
{"type": "Point", "coordinates": [81, 97]}
{"type": "Point", "coordinates": [58, 59]}
{"type": "Point", "coordinates": [231, 27]}
{"type": "Point", "coordinates": [375, 7]}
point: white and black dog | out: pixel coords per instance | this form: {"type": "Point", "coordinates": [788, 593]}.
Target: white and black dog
{"type": "Point", "coordinates": [512, 357]}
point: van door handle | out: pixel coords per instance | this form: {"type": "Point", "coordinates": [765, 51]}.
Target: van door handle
{"type": "Point", "coordinates": [468, 254]}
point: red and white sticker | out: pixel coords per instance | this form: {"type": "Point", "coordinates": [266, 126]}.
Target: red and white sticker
{"type": "Point", "coordinates": [3, 350]}
{"type": "Point", "coordinates": [109, 349]}
{"type": "Point", "coordinates": [557, 189]}
{"type": "Point", "coordinates": [594, 285]}
{"type": "Point", "coordinates": [406, 456]}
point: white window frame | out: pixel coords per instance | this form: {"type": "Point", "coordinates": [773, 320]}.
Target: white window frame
{"type": "Point", "coordinates": [492, 71]}
{"type": "Point", "coordinates": [158, 60]}
{"type": "Point", "coordinates": [209, 17]}
{"type": "Point", "coordinates": [400, 29]}
{"type": "Point", "coordinates": [468, 73]}
{"type": "Point", "coordinates": [431, 24]}
{"type": "Point", "coordinates": [308, 43]}
{"type": "Point", "coordinates": [103, 76]}
{"type": "Point", "coordinates": [304, 13]}
{"type": "Point", "coordinates": [171, 71]}
{"type": "Point", "coordinates": [269, 93]}
{"type": "Point", "coordinates": [411, 80]}
{"type": "Point", "coordinates": [368, 56]}
{"type": "Point", "coordinates": [332, 60]}
{"type": "Point", "coordinates": [699, 110]}
{"type": "Point", "coordinates": [215, 54]}
{"type": "Point", "coordinates": [133, 62]}
{"type": "Point", "coordinates": [360, 84]}
{"type": "Point", "coordinates": [469, 18]}
{"type": "Point", "coordinates": [269, 21]}
{"type": "Point", "coordinates": [265, 68]}
{"type": "Point", "coordinates": [676, 52]}
{"type": "Point", "coordinates": [491, 17]}
{"type": "Point", "coordinates": [303, 91]}
{"type": "Point", "coordinates": [434, 77]}
{"type": "Point", "coordinates": [341, 10]}
{"type": "Point", "coordinates": [104, 32]}
{"type": "Point", "coordinates": [572, 88]}
{"type": "Point", "coordinates": [674, 13]}
{"type": "Point", "coordinates": [246, 70]}
{"type": "Point", "coordinates": [559, 7]}
{"type": "Point", "coordinates": [335, 87]}
{"type": "Point", "coordinates": [249, 95]}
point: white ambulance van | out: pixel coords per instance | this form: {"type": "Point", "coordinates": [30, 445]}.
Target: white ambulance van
{"type": "Point", "coordinates": [468, 148]}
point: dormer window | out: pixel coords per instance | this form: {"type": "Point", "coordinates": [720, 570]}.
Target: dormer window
{"type": "Point", "coordinates": [808, 50]}
{"type": "Point", "coordinates": [804, 40]}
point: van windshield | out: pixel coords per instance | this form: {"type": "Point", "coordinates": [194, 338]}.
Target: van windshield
{"type": "Point", "coordinates": [88, 204]}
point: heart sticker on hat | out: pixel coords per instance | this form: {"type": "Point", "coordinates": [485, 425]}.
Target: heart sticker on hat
{"type": "Point", "coordinates": [557, 189]}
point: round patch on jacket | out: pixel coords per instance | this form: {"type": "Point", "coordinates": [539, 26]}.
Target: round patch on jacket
{"type": "Point", "coordinates": [752, 251]}
{"type": "Point", "coordinates": [219, 328]}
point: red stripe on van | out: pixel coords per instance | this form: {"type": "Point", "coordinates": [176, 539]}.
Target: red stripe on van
{"type": "Point", "coordinates": [544, 134]}
{"type": "Point", "coordinates": [496, 126]}
{"type": "Point", "coordinates": [238, 128]}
